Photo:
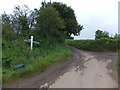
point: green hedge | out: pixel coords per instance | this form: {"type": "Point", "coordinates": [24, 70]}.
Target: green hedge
{"type": "Point", "coordinates": [103, 44]}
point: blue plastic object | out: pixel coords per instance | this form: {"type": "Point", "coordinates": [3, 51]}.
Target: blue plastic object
{"type": "Point", "coordinates": [17, 66]}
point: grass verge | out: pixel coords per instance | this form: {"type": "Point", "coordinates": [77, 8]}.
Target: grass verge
{"type": "Point", "coordinates": [35, 61]}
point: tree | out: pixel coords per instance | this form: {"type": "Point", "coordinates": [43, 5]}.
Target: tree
{"type": "Point", "coordinates": [6, 29]}
{"type": "Point", "coordinates": [32, 19]}
{"type": "Point", "coordinates": [101, 34]}
{"type": "Point", "coordinates": [117, 36]}
{"type": "Point", "coordinates": [20, 21]}
{"type": "Point", "coordinates": [49, 24]}
{"type": "Point", "coordinates": [68, 15]}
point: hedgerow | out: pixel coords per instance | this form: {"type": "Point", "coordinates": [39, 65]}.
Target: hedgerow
{"type": "Point", "coordinates": [103, 44]}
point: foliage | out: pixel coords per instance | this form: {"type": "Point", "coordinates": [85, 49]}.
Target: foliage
{"type": "Point", "coordinates": [117, 36]}
{"type": "Point", "coordinates": [102, 44]}
{"type": "Point", "coordinates": [24, 21]}
{"type": "Point", "coordinates": [49, 24]}
{"type": "Point", "coordinates": [49, 28]}
{"type": "Point", "coordinates": [18, 51]}
{"type": "Point", "coordinates": [6, 62]}
{"type": "Point", "coordinates": [68, 15]}
{"type": "Point", "coordinates": [19, 19]}
{"type": "Point", "coordinates": [6, 30]}
{"type": "Point", "coordinates": [101, 34]}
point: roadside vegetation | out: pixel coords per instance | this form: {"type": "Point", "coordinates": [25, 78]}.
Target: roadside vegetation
{"type": "Point", "coordinates": [102, 42]}
{"type": "Point", "coordinates": [36, 60]}
{"type": "Point", "coordinates": [49, 26]}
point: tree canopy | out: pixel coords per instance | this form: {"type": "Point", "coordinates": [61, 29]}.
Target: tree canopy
{"type": "Point", "coordinates": [101, 34]}
{"type": "Point", "coordinates": [68, 15]}
{"type": "Point", "coordinates": [53, 21]}
{"type": "Point", "coordinates": [49, 24]}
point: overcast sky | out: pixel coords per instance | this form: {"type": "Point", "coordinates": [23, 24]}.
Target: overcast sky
{"type": "Point", "coordinates": [92, 14]}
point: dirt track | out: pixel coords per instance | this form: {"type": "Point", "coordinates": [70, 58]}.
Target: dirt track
{"type": "Point", "coordinates": [93, 74]}
{"type": "Point", "coordinates": [85, 70]}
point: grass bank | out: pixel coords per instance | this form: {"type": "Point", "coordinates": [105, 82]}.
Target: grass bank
{"type": "Point", "coordinates": [17, 51]}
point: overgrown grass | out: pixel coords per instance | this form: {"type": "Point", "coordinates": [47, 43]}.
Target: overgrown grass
{"type": "Point", "coordinates": [103, 44]}
{"type": "Point", "coordinates": [17, 51]}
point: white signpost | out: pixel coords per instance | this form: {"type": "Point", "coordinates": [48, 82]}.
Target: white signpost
{"type": "Point", "coordinates": [31, 42]}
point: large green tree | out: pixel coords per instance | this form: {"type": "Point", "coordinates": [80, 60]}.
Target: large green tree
{"type": "Point", "coordinates": [49, 24]}
{"type": "Point", "coordinates": [68, 15]}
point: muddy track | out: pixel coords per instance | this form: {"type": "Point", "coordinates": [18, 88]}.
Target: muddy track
{"type": "Point", "coordinates": [56, 72]}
